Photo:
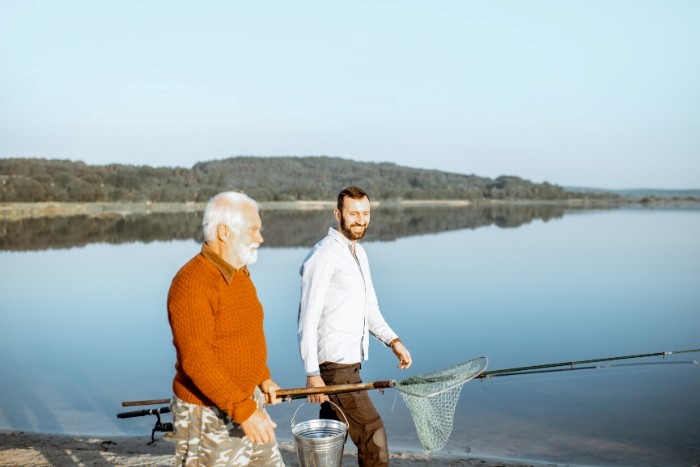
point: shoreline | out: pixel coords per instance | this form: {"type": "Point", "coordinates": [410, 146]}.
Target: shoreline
{"type": "Point", "coordinates": [16, 211]}
{"type": "Point", "coordinates": [20, 448]}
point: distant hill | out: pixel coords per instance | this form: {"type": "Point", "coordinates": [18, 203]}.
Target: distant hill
{"type": "Point", "coordinates": [263, 178]}
{"type": "Point", "coordinates": [639, 192]}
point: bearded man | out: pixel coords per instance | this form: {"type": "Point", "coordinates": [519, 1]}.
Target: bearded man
{"type": "Point", "coordinates": [222, 380]}
{"type": "Point", "coordinates": [337, 312]}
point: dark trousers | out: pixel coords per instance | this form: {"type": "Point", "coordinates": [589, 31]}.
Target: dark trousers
{"type": "Point", "coordinates": [366, 426]}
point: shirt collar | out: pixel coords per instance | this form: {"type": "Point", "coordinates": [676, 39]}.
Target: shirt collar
{"type": "Point", "coordinates": [339, 237]}
{"type": "Point", "coordinates": [221, 264]}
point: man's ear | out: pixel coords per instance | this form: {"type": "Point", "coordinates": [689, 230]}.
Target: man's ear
{"type": "Point", "coordinates": [222, 232]}
{"type": "Point", "coordinates": [336, 213]}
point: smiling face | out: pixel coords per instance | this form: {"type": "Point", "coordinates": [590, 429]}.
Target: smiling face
{"type": "Point", "coordinates": [353, 219]}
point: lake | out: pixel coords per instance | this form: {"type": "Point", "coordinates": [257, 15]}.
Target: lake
{"type": "Point", "coordinates": [84, 322]}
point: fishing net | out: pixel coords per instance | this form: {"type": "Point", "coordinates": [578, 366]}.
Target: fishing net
{"type": "Point", "coordinates": [432, 400]}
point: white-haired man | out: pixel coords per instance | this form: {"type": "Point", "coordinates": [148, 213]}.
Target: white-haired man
{"type": "Point", "coordinates": [222, 380]}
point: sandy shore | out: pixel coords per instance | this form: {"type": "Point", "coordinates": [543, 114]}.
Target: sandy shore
{"type": "Point", "coordinates": [32, 449]}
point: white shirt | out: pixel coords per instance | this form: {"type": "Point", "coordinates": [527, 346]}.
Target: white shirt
{"type": "Point", "coordinates": [338, 307]}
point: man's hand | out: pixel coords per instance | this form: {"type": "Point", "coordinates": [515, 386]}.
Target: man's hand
{"type": "Point", "coordinates": [402, 354]}
{"type": "Point", "coordinates": [316, 382]}
{"type": "Point", "coordinates": [259, 428]}
{"type": "Point", "coordinates": [270, 388]}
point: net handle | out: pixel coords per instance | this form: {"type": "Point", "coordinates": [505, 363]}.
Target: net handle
{"type": "Point", "coordinates": [401, 386]}
{"type": "Point", "coordinates": [300, 393]}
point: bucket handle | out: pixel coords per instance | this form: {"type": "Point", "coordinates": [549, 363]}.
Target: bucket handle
{"type": "Point", "coordinates": [347, 425]}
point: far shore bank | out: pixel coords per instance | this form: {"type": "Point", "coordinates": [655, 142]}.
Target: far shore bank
{"type": "Point", "coordinates": [51, 209]}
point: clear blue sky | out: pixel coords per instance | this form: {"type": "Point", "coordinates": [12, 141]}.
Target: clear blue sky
{"type": "Point", "coordinates": [593, 93]}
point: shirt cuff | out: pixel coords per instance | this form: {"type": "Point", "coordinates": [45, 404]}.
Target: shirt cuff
{"type": "Point", "coordinates": [393, 341]}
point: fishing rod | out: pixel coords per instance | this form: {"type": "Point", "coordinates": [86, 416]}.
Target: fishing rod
{"type": "Point", "coordinates": [508, 371]}
{"type": "Point", "coordinates": [298, 393]}
{"type": "Point", "coordinates": [591, 367]}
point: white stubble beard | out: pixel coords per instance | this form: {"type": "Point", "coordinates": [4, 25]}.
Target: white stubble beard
{"type": "Point", "coordinates": [248, 254]}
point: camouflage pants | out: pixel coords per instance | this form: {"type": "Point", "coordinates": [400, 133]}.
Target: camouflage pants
{"type": "Point", "coordinates": [207, 436]}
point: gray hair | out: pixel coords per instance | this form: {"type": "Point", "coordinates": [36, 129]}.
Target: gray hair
{"type": "Point", "coordinates": [225, 208]}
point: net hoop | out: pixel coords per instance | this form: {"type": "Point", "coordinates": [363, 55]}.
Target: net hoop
{"type": "Point", "coordinates": [453, 376]}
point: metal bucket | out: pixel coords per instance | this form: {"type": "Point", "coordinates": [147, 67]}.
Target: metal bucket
{"type": "Point", "coordinates": [320, 442]}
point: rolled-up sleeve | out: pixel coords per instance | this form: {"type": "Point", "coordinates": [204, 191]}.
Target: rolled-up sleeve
{"type": "Point", "coordinates": [376, 323]}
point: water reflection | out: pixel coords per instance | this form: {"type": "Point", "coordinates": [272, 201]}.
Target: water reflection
{"type": "Point", "coordinates": [283, 228]}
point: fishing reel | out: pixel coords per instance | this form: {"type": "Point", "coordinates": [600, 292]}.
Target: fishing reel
{"type": "Point", "coordinates": [159, 426]}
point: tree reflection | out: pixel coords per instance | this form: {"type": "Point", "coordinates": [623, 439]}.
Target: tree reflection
{"type": "Point", "coordinates": [282, 228]}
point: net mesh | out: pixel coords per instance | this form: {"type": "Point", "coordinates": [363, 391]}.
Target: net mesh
{"type": "Point", "coordinates": [432, 400]}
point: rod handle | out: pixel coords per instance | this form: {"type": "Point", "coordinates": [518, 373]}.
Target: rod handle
{"type": "Point", "coordinates": [145, 402]}
{"type": "Point", "coordinates": [141, 413]}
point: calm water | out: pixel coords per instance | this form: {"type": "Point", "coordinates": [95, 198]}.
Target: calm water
{"type": "Point", "coordinates": [84, 323]}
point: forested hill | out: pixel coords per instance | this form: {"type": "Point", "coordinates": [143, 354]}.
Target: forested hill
{"type": "Point", "coordinates": [263, 178]}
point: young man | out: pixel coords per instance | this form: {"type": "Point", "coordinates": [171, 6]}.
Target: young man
{"type": "Point", "coordinates": [222, 379]}
{"type": "Point", "coordinates": [337, 312]}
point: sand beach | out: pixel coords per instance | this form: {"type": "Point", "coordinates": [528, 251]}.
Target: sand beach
{"type": "Point", "coordinates": [19, 448]}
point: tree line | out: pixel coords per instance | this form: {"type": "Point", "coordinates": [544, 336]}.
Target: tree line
{"type": "Point", "coordinates": [263, 178]}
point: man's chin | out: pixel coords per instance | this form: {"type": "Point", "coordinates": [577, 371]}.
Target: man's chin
{"type": "Point", "coordinates": [253, 258]}
{"type": "Point", "coordinates": [354, 233]}
{"type": "Point", "coordinates": [249, 256]}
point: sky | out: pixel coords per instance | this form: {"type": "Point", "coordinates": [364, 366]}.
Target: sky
{"type": "Point", "coordinates": [593, 93]}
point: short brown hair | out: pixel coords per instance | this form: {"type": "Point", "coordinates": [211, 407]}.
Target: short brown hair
{"type": "Point", "coordinates": [351, 192]}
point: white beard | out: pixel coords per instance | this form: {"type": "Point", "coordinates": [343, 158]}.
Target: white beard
{"type": "Point", "coordinates": [248, 254]}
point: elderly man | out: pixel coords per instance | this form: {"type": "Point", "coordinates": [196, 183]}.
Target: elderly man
{"type": "Point", "coordinates": [337, 311]}
{"type": "Point", "coordinates": [222, 380]}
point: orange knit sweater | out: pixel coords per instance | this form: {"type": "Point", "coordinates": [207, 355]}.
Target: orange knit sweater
{"type": "Point", "coordinates": [217, 324]}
